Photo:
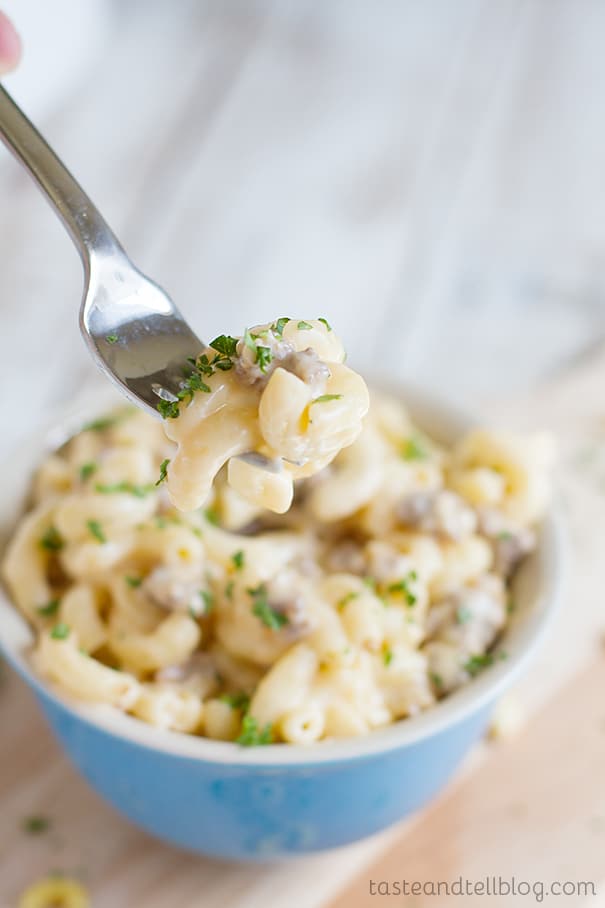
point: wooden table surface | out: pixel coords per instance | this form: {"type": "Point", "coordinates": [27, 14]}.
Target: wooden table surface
{"type": "Point", "coordinates": [428, 176]}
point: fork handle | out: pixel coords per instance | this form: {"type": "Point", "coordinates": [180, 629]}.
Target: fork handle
{"type": "Point", "coordinates": [88, 230]}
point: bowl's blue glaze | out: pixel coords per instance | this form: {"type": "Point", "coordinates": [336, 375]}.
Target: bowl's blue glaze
{"type": "Point", "coordinates": [260, 812]}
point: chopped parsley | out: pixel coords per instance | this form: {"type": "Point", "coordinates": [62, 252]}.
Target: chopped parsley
{"type": "Point", "coordinates": [249, 341]}
{"type": "Point", "coordinates": [229, 589]}
{"type": "Point", "coordinates": [325, 398]}
{"type": "Point", "coordinates": [99, 425]}
{"type": "Point", "coordinates": [387, 656]}
{"type": "Point", "coordinates": [86, 470]}
{"type": "Point", "coordinates": [263, 357]}
{"type": "Point", "coordinates": [342, 603]}
{"type": "Point", "coordinates": [124, 487]}
{"type": "Point", "coordinates": [511, 606]}
{"type": "Point", "coordinates": [325, 322]}
{"type": "Point", "coordinates": [211, 515]}
{"type": "Point", "coordinates": [36, 825]}
{"type": "Point", "coordinates": [60, 631]}
{"type": "Point", "coordinates": [238, 559]}
{"type": "Point", "coordinates": [477, 663]}
{"type": "Point", "coordinates": [133, 582]}
{"type": "Point", "coordinates": [269, 616]}
{"type": "Point", "coordinates": [208, 599]}
{"type": "Point", "coordinates": [224, 344]}
{"type": "Point", "coordinates": [49, 609]}
{"type": "Point", "coordinates": [236, 701]}
{"type": "Point", "coordinates": [403, 586]}
{"type": "Point", "coordinates": [436, 679]}
{"type": "Point", "coordinates": [112, 338]}
{"type": "Point", "coordinates": [52, 540]}
{"type": "Point", "coordinates": [463, 614]}
{"type": "Point", "coordinates": [253, 736]}
{"type": "Point", "coordinates": [414, 449]}
{"type": "Point", "coordinates": [168, 409]}
{"type": "Point", "coordinates": [95, 529]}
{"type": "Point", "coordinates": [505, 536]}
{"type": "Point", "coordinates": [304, 326]}
{"type": "Point", "coordinates": [278, 326]}
{"type": "Point", "coordinates": [163, 471]}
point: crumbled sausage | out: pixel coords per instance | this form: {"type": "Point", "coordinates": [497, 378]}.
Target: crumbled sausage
{"type": "Point", "coordinates": [252, 371]}
{"type": "Point", "coordinates": [169, 589]}
{"type": "Point", "coordinates": [347, 556]}
{"type": "Point", "coordinates": [286, 598]}
{"type": "Point", "coordinates": [307, 365]}
{"type": "Point", "coordinates": [511, 543]}
{"type": "Point", "coordinates": [469, 617]}
{"type": "Point", "coordinates": [443, 512]}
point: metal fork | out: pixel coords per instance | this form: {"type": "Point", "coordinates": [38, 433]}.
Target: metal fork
{"type": "Point", "coordinates": [133, 330]}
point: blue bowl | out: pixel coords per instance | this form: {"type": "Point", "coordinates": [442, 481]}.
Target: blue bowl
{"type": "Point", "coordinates": [219, 799]}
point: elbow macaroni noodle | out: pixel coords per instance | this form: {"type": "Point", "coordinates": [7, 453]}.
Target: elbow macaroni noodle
{"type": "Point", "coordinates": [383, 588]}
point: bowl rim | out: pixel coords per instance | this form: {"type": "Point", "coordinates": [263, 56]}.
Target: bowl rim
{"type": "Point", "coordinates": [452, 710]}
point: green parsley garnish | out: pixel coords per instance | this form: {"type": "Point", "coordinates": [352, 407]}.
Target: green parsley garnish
{"type": "Point", "coordinates": [253, 736]}
{"type": "Point", "coordinates": [304, 326]}
{"type": "Point", "coordinates": [36, 825]}
{"type": "Point", "coordinates": [168, 409]}
{"type": "Point", "coordinates": [208, 600]}
{"type": "Point", "coordinates": [263, 357]}
{"type": "Point", "coordinates": [414, 449]}
{"type": "Point", "coordinates": [436, 679]}
{"type": "Point", "coordinates": [511, 606]}
{"type": "Point", "coordinates": [325, 322]}
{"type": "Point", "coordinates": [505, 535]}
{"type": "Point", "coordinates": [278, 326]}
{"type": "Point", "coordinates": [342, 603]}
{"type": "Point", "coordinates": [60, 631]}
{"type": "Point", "coordinates": [261, 608]}
{"type": "Point", "coordinates": [229, 589]}
{"type": "Point", "coordinates": [224, 344]}
{"type": "Point", "coordinates": [236, 701]}
{"type": "Point", "coordinates": [52, 540]}
{"type": "Point", "coordinates": [133, 582]}
{"type": "Point", "coordinates": [86, 471]}
{"type": "Point", "coordinates": [463, 614]}
{"type": "Point", "coordinates": [211, 515]}
{"type": "Point", "coordinates": [112, 338]}
{"type": "Point", "coordinates": [124, 487]}
{"type": "Point", "coordinates": [387, 656]}
{"type": "Point", "coordinates": [238, 559]}
{"type": "Point", "coordinates": [99, 425]}
{"type": "Point", "coordinates": [95, 529]}
{"type": "Point", "coordinates": [49, 609]}
{"type": "Point", "coordinates": [163, 471]}
{"type": "Point", "coordinates": [249, 341]}
{"type": "Point", "coordinates": [477, 663]}
{"type": "Point", "coordinates": [325, 398]}
{"type": "Point", "coordinates": [403, 587]}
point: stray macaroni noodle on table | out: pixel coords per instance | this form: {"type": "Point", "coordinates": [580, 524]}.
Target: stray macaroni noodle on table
{"type": "Point", "coordinates": [229, 602]}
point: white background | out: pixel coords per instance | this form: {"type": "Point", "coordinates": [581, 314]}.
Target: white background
{"type": "Point", "coordinates": [428, 175]}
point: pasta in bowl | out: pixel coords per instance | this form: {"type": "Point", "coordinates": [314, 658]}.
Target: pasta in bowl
{"type": "Point", "coordinates": [356, 620]}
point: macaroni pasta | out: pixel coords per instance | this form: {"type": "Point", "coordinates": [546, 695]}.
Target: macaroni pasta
{"type": "Point", "coordinates": [383, 588]}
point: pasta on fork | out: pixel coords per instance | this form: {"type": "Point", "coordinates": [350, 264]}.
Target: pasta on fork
{"type": "Point", "coordinates": [276, 405]}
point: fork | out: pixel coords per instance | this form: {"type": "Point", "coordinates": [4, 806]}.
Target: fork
{"type": "Point", "coordinates": [134, 332]}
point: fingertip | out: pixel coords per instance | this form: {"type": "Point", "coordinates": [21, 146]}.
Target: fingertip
{"type": "Point", "coordinates": [10, 45]}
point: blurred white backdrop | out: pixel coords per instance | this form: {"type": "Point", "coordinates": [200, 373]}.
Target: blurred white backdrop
{"type": "Point", "coordinates": [428, 176]}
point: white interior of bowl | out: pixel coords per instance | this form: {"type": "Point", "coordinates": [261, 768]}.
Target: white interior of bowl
{"type": "Point", "coordinates": [537, 590]}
